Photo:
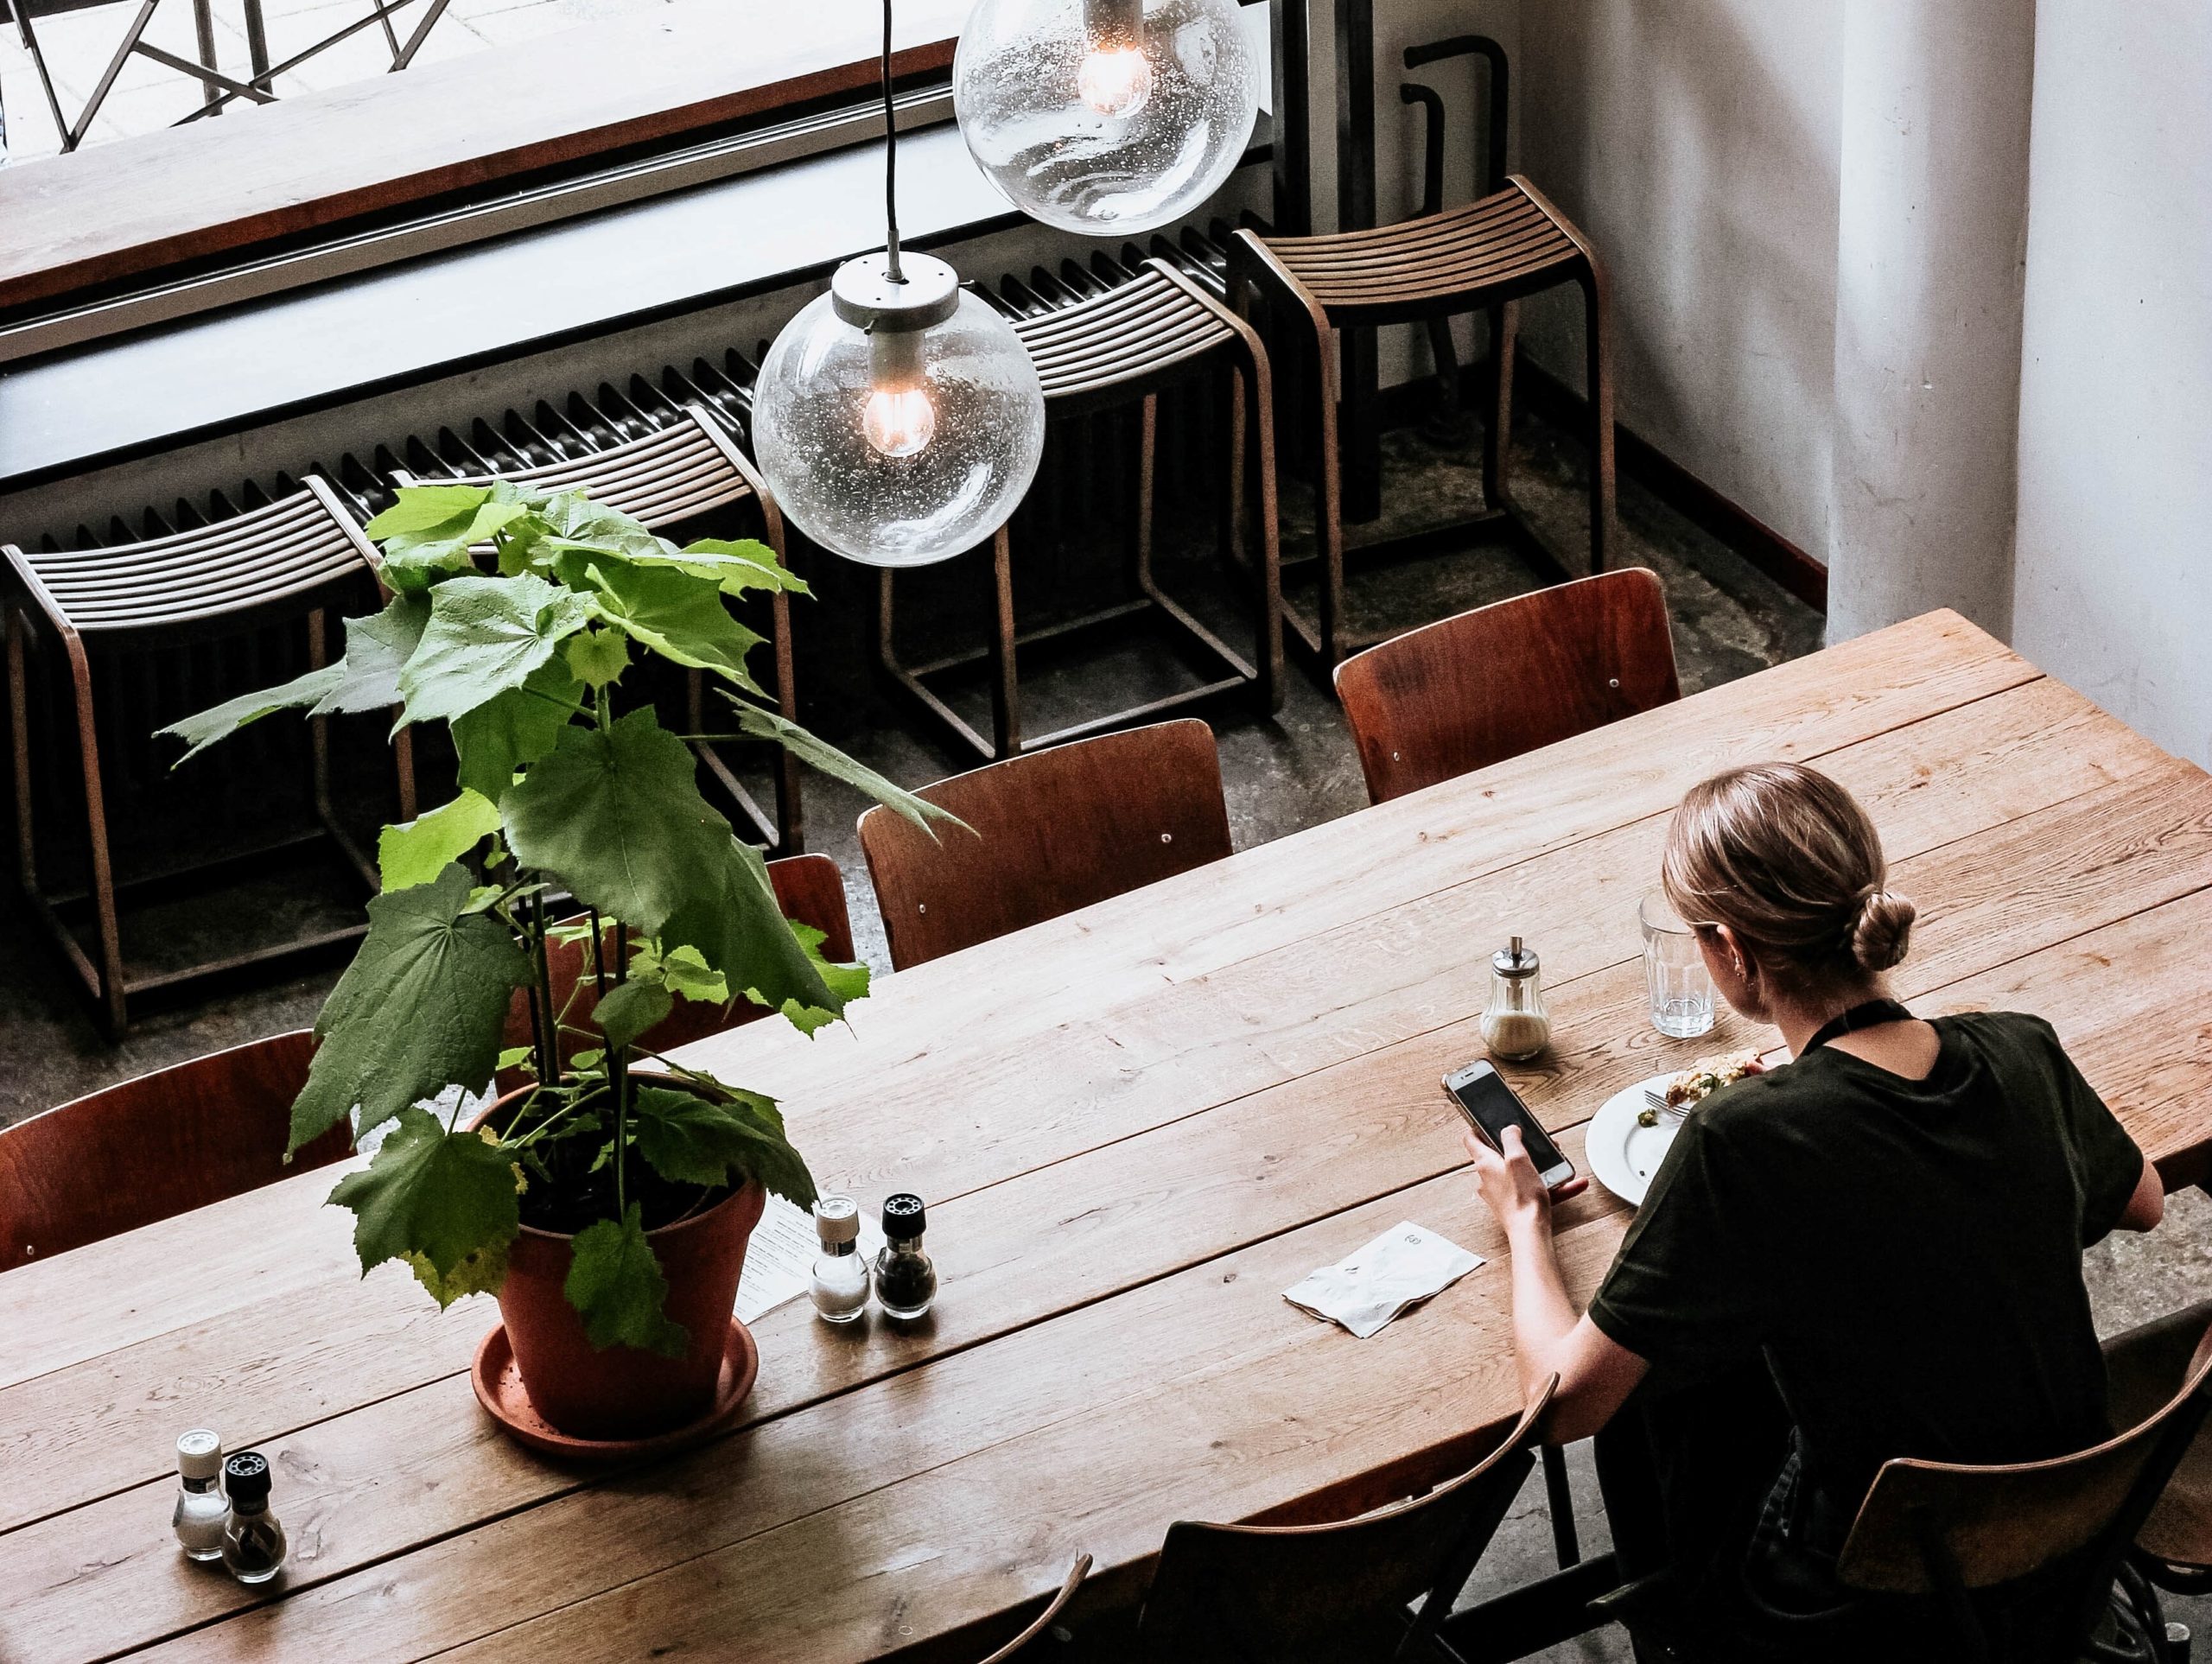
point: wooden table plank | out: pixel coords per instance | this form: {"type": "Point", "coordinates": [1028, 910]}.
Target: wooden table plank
{"type": "Point", "coordinates": [1253, 1168]}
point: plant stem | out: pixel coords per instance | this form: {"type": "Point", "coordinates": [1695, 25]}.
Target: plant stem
{"type": "Point", "coordinates": [598, 955]}
{"type": "Point", "coordinates": [542, 1017]}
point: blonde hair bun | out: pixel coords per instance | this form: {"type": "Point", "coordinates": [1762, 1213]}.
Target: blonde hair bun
{"type": "Point", "coordinates": [1883, 933]}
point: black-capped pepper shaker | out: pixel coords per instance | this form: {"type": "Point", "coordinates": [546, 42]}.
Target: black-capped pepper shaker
{"type": "Point", "coordinates": [906, 1280]}
{"type": "Point", "coordinates": [201, 1508]}
{"type": "Point", "coordinates": [253, 1542]}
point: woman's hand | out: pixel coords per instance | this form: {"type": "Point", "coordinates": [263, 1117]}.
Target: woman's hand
{"type": "Point", "coordinates": [1508, 1182]}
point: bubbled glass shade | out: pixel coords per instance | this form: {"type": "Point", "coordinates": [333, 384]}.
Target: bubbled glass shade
{"type": "Point", "coordinates": [1102, 124]}
{"type": "Point", "coordinates": [904, 467]}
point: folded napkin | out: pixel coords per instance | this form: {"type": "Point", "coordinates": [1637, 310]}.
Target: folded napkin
{"type": "Point", "coordinates": [1400, 1269]}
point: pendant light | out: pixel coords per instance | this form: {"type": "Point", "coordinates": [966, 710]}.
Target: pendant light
{"type": "Point", "coordinates": [1106, 116]}
{"type": "Point", "coordinates": [898, 418]}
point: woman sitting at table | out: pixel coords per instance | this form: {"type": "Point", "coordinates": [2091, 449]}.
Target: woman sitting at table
{"type": "Point", "coordinates": [1888, 1230]}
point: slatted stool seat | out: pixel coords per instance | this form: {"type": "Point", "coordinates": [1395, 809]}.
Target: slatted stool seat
{"type": "Point", "coordinates": [1487, 255]}
{"type": "Point", "coordinates": [276, 565]}
{"type": "Point", "coordinates": [691, 466]}
{"type": "Point", "coordinates": [1122, 347]}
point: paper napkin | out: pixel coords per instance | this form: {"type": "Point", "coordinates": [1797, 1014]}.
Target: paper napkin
{"type": "Point", "coordinates": [1400, 1269]}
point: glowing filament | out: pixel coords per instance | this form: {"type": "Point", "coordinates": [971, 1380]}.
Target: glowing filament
{"type": "Point", "coordinates": [1114, 80]}
{"type": "Point", "coordinates": [899, 421]}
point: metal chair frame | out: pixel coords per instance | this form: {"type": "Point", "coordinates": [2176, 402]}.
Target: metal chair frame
{"type": "Point", "coordinates": [263, 567]}
{"type": "Point", "coordinates": [687, 468]}
{"type": "Point", "coordinates": [1485, 255]}
{"type": "Point", "coordinates": [1125, 346]}
{"type": "Point", "coordinates": [217, 88]}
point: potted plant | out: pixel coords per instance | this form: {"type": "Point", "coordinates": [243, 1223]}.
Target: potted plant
{"type": "Point", "coordinates": [607, 1204]}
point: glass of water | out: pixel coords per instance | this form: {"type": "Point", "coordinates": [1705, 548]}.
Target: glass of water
{"type": "Point", "coordinates": [1674, 971]}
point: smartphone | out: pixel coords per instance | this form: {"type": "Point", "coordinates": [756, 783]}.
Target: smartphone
{"type": "Point", "coordinates": [1491, 1106]}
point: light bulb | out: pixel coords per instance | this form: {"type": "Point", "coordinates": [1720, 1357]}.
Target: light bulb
{"type": "Point", "coordinates": [1114, 80]}
{"type": "Point", "coordinates": [899, 421]}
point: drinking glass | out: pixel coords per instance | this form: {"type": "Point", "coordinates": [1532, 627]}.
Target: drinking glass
{"type": "Point", "coordinates": [1674, 971]}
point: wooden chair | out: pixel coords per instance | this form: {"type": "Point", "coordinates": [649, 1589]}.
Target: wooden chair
{"type": "Point", "coordinates": [281, 565]}
{"type": "Point", "coordinates": [1491, 683]}
{"type": "Point", "coordinates": [1334, 1593]}
{"type": "Point", "coordinates": [1024, 1647]}
{"type": "Point", "coordinates": [690, 467]}
{"type": "Point", "coordinates": [1486, 256]}
{"type": "Point", "coordinates": [2146, 1367]}
{"type": "Point", "coordinates": [1054, 831]}
{"type": "Point", "coordinates": [161, 1145]}
{"type": "Point", "coordinates": [2047, 1538]}
{"type": "Point", "coordinates": [809, 888]}
{"type": "Point", "coordinates": [1124, 344]}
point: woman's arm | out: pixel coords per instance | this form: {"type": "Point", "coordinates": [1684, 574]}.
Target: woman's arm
{"type": "Point", "coordinates": [1550, 1337]}
{"type": "Point", "coordinates": [2148, 1205]}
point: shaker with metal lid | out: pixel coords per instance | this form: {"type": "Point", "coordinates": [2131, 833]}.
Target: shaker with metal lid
{"type": "Point", "coordinates": [1515, 1024]}
{"type": "Point", "coordinates": [201, 1508]}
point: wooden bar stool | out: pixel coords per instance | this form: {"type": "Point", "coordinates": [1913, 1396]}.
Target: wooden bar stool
{"type": "Point", "coordinates": [1054, 831]}
{"type": "Point", "coordinates": [1486, 256]}
{"type": "Point", "coordinates": [1122, 347]}
{"type": "Point", "coordinates": [688, 468]}
{"type": "Point", "coordinates": [1490, 683]}
{"type": "Point", "coordinates": [1029, 1647]}
{"type": "Point", "coordinates": [150, 1149]}
{"type": "Point", "coordinates": [276, 565]}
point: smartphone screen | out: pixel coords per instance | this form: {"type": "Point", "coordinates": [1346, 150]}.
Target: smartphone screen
{"type": "Point", "coordinates": [1491, 1106]}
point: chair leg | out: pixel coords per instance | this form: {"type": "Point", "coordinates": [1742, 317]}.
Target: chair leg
{"type": "Point", "coordinates": [791, 822]}
{"type": "Point", "coordinates": [114, 1016]}
{"type": "Point", "coordinates": [1006, 694]}
{"type": "Point", "coordinates": [1328, 499]}
{"type": "Point", "coordinates": [1598, 352]}
{"type": "Point", "coordinates": [19, 735]}
{"type": "Point", "coordinates": [1147, 473]}
{"type": "Point", "coordinates": [1268, 647]}
{"type": "Point", "coordinates": [1559, 1501]}
{"type": "Point", "coordinates": [1498, 443]}
{"type": "Point", "coordinates": [1235, 535]}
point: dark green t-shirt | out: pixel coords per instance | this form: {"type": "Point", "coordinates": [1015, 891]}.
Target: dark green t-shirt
{"type": "Point", "coordinates": [1907, 1254]}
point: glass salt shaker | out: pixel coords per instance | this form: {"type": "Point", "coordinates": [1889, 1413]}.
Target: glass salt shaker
{"type": "Point", "coordinates": [201, 1508]}
{"type": "Point", "coordinates": [906, 1280]}
{"type": "Point", "coordinates": [253, 1542]}
{"type": "Point", "coordinates": [839, 1271]}
{"type": "Point", "coordinates": [1515, 1024]}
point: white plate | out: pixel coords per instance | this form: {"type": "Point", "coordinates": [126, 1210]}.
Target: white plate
{"type": "Point", "coordinates": [1623, 1153]}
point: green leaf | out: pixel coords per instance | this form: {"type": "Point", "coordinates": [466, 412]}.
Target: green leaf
{"type": "Point", "coordinates": [203, 728]}
{"type": "Point", "coordinates": [598, 657]}
{"type": "Point", "coordinates": [629, 1009]}
{"type": "Point", "coordinates": [486, 635]}
{"type": "Point", "coordinates": [516, 1056]}
{"type": "Point", "coordinates": [513, 730]}
{"type": "Point", "coordinates": [435, 1198]}
{"type": "Point", "coordinates": [418, 850]}
{"type": "Point", "coordinates": [821, 754]}
{"type": "Point", "coordinates": [616, 1285]}
{"type": "Point", "coordinates": [738, 568]}
{"type": "Point", "coordinates": [615, 816]}
{"type": "Point", "coordinates": [421, 508]}
{"type": "Point", "coordinates": [848, 982]}
{"type": "Point", "coordinates": [421, 1008]}
{"type": "Point", "coordinates": [376, 649]}
{"type": "Point", "coordinates": [696, 1140]}
{"type": "Point", "coordinates": [480, 1271]}
{"type": "Point", "coordinates": [685, 973]}
{"type": "Point", "coordinates": [669, 613]}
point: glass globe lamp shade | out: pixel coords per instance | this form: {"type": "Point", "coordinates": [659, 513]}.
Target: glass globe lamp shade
{"type": "Point", "coordinates": [898, 423]}
{"type": "Point", "coordinates": [1106, 116]}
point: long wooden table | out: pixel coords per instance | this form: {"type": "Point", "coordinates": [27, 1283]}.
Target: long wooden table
{"type": "Point", "coordinates": [1135, 1126]}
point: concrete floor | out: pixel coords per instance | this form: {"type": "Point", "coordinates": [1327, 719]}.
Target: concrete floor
{"type": "Point", "coordinates": [1280, 775]}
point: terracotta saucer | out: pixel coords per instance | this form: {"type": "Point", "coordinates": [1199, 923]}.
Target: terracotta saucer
{"type": "Point", "coordinates": [500, 1390]}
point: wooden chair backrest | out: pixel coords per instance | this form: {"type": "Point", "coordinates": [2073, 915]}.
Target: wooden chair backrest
{"type": "Point", "coordinates": [1054, 830]}
{"type": "Point", "coordinates": [2143, 1368]}
{"type": "Point", "coordinates": [1315, 1594]}
{"type": "Point", "coordinates": [1931, 1528]}
{"type": "Point", "coordinates": [809, 888]}
{"type": "Point", "coordinates": [1469, 691]}
{"type": "Point", "coordinates": [161, 1145]}
{"type": "Point", "coordinates": [1013, 1649]}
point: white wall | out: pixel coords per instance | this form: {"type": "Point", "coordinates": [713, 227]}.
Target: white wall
{"type": "Point", "coordinates": [1696, 141]}
{"type": "Point", "coordinates": [2113, 580]}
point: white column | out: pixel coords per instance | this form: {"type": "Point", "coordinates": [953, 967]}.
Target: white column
{"type": "Point", "coordinates": [1932, 229]}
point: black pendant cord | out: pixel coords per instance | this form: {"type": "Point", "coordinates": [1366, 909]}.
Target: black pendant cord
{"type": "Point", "coordinates": [1869, 1015]}
{"type": "Point", "coordinates": [890, 161]}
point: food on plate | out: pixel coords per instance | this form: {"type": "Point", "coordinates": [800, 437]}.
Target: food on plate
{"type": "Point", "coordinates": [1707, 1076]}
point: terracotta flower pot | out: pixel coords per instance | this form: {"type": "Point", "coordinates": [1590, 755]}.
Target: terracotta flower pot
{"type": "Point", "coordinates": [623, 1392]}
